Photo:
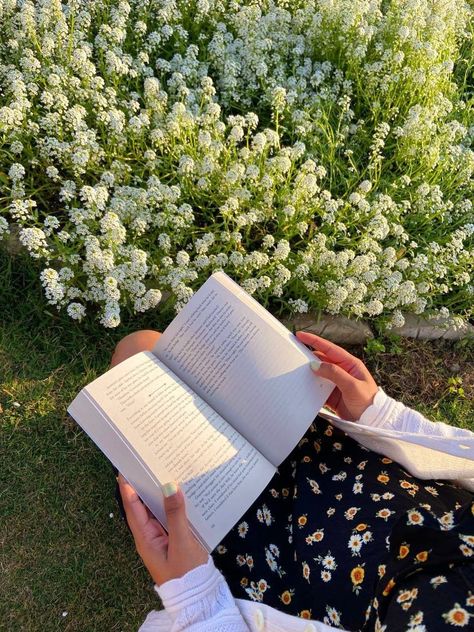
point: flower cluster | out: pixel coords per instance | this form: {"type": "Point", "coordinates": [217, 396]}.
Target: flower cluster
{"type": "Point", "coordinates": [318, 151]}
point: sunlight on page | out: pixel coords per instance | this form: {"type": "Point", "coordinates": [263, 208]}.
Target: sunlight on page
{"type": "Point", "coordinates": [178, 435]}
{"type": "Point", "coordinates": [246, 365]}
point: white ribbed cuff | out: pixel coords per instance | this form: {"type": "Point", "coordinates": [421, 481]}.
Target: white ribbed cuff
{"type": "Point", "coordinates": [202, 596]}
{"type": "Point", "coordinates": [181, 592]}
{"type": "Point", "coordinates": [382, 412]}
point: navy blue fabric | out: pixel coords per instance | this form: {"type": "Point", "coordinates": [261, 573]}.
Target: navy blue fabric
{"type": "Point", "coordinates": [323, 541]}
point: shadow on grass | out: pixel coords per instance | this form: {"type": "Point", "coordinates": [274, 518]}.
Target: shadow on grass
{"type": "Point", "coordinates": [61, 550]}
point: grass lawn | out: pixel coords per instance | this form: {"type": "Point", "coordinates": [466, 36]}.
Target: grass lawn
{"type": "Point", "coordinates": [62, 550]}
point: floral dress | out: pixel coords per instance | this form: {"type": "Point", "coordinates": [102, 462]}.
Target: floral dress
{"type": "Point", "coordinates": [346, 536]}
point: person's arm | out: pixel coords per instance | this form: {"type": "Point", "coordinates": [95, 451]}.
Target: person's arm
{"type": "Point", "coordinates": [357, 398]}
{"type": "Point", "coordinates": [201, 599]}
{"type": "Point", "coordinates": [193, 591]}
{"type": "Point", "coordinates": [389, 413]}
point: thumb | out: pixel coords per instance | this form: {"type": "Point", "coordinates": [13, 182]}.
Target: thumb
{"type": "Point", "coordinates": [332, 372]}
{"type": "Point", "coordinates": [178, 527]}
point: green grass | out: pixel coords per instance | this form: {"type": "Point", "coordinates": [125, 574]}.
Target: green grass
{"type": "Point", "coordinates": [60, 550]}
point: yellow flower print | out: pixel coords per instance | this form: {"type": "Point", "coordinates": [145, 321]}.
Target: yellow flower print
{"type": "Point", "coordinates": [388, 588]}
{"type": "Point", "coordinates": [411, 487]}
{"type": "Point", "coordinates": [457, 616]}
{"type": "Point", "coordinates": [447, 521]}
{"type": "Point", "coordinates": [403, 595]}
{"type": "Point", "coordinates": [403, 551]}
{"type": "Point", "coordinates": [286, 596]}
{"type": "Point", "coordinates": [361, 526]}
{"type": "Point", "coordinates": [383, 478]}
{"type": "Point", "coordinates": [262, 585]}
{"type": "Point", "coordinates": [422, 556]}
{"type": "Point", "coordinates": [386, 460]}
{"type": "Point", "coordinates": [357, 575]}
{"type": "Point", "coordinates": [470, 600]}
{"type": "Point", "coordinates": [305, 614]}
{"type": "Point", "coordinates": [244, 582]}
{"type": "Point", "coordinates": [415, 517]}
{"type": "Point", "coordinates": [465, 550]}
{"type": "Point", "coordinates": [351, 512]}
{"type": "Point", "coordinates": [316, 536]}
{"type": "Point", "coordinates": [328, 431]}
{"type": "Point", "coordinates": [306, 459]}
{"type": "Point", "coordinates": [317, 446]}
{"type": "Point", "coordinates": [381, 570]}
{"type": "Point", "coordinates": [302, 520]}
{"type": "Point", "coordinates": [384, 513]}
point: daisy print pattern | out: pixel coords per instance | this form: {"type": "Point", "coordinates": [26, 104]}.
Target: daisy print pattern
{"type": "Point", "coordinates": [243, 529]}
{"type": "Point", "coordinates": [458, 616]}
{"type": "Point", "coordinates": [321, 540]}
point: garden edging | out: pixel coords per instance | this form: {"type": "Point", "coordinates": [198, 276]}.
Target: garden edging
{"type": "Point", "coordinates": [346, 331]}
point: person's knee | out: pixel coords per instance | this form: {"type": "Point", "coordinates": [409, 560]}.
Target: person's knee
{"type": "Point", "coordinates": [143, 340]}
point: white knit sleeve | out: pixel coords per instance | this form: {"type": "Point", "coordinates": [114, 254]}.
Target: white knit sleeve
{"type": "Point", "coordinates": [201, 601]}
{"type": "Point", "coordinates": [389, 413]}
{"type": "Point", "coordinates": [454, 459]}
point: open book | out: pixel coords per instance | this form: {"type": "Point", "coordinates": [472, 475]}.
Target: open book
{"type": "Point", "coordinates": [218, 404]}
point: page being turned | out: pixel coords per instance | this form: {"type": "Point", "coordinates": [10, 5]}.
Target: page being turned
{"type": "Point", "coordinates": [180, 438]}
{"type": "Point", "coordinates": [246, 365]}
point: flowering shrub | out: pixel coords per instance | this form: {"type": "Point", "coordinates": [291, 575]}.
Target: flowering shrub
{"type": "Point", "coordinates": [319, 151]}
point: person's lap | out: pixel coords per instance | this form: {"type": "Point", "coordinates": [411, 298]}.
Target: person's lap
{"type": "Point", "coordinates": [321, 552]}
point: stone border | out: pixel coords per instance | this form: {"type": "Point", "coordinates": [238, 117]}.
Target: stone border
{"type": "Point", "coordinates": [346, 331]}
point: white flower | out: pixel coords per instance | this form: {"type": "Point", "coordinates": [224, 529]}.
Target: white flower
{"type": "Point", "coordinates": [186, 165]}
{"type": "Point", "coordinates": [4, 228]}
{"type": "Point", "coordinates": [16, 172]}
{"type": "Point", "coordinates": [76, 311]}
{"type": "Point", "coordinates": [298, 305]}
{"type": "Point", "coordinates": [35, 241]}
{"type": "Point", "coordinates": [282, 250]}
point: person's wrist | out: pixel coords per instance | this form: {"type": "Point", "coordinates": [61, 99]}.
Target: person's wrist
{"type": "Point", "coordinates": [369, 399]}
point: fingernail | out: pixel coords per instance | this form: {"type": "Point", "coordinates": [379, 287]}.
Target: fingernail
{"type": "Point", "coordinates": [169, 489]}
{"type": "Point", "coordinates": [315, 364]}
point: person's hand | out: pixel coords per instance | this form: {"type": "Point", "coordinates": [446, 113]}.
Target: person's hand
{"type": "Point", "coordinates": [165, 555]}
{"type": "Point", "coordinates": [355, 387]}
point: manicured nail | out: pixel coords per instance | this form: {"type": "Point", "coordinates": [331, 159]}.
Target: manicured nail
{"type": "Point", "coordinates": [169, 489]}
{"type": "Point", "coordinates": [315, 364]}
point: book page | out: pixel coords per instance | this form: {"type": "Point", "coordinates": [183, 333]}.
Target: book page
{"type": "Point", "coordinates": [180, 438]}
{"type": "Point", "coordinates": [246, 365]}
